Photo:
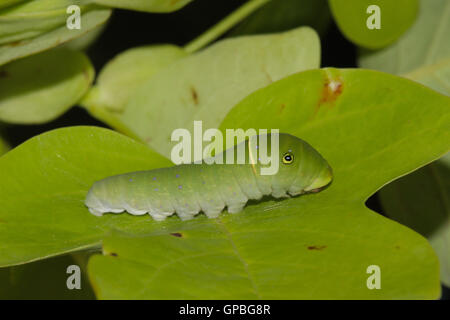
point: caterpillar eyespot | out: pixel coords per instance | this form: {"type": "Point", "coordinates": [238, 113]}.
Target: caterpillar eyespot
{"type": "Point", "coordinates": [288, 158]}
{"type": "Point", "coordinates": [189, 189]}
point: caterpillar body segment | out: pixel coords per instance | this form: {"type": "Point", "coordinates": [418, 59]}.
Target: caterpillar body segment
{"type": "Point", "coordinates": [189, 189]}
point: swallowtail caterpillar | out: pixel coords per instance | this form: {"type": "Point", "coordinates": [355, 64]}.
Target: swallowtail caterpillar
{"type": "Point", "coordinates": [188, 189]}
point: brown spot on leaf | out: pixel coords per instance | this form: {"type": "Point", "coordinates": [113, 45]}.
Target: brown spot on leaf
{"type": "Point", "coordinates": [113, 254]}
{"type": "Point", "coordinates": [176, 234]}
{"type": "Point", "coordinates": [194, 95]}
{"type": "Point", "coordinates": [316, 247]}
{"type": "Point", "coordinates": [332, 89]}
{"type": "Point", "coordinates": [4, 74]}
{"type": "Point", "coordinates": [281, 109]}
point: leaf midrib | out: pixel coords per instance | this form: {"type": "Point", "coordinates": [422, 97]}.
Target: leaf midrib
{"type": "Point", "coordinates": [227, 233]}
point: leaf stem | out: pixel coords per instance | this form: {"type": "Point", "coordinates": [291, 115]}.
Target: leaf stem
{"type": "Point", "coordinates": [224, 25]}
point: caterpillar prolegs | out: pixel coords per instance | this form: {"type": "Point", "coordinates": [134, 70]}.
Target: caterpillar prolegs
{"type": "Point", "coordinates": [188, 189]}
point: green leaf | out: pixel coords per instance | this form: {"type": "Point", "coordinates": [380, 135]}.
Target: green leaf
{"type": "Point", "coordinates": [206, 85]}
{"type": "Point", "coordinates": [396, 17]}
{"type": "Point", "coordinates": [39, 88]}
{"type": "Point", "coordinates": [42, 280]}
{"type": "Point", "coordinates": [32, 18]}
{"type": "Point", "coordinates": [50, 39]}
{"type": "Point", "coordinates": [423, 53]}
{"type": "Point", "coordinates": [145, 5]}
{"type": "Point", "coordinates": [315, 246]}
{"type": "Point", "coordinates": [421, 201]}
{"type": "Point", "coordinates": [120, 78]}
{"type": "Point", "coordinates": [282, 15]}
{"type": "Point", "coordinates": [43, 184]}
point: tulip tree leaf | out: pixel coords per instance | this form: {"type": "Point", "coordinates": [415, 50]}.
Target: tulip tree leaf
{"type": "Point", "coordinates": [314, 246]}
{"type": "Point", "coordinates": [206, 85]}
{"type": "Point", "coordinates": [50, 39]}
{"type": "Point", "coordinates": [352, 18]}
{"type": "Point", "coordinates": [39, 88]}
{"type": "Point", "coordinates": [145, 5]}
{"type": "Point", "coordinates": [86, 40]}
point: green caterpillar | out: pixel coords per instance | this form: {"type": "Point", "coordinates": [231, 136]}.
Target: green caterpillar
{"type": "Point", "coordinates": [188, 189]}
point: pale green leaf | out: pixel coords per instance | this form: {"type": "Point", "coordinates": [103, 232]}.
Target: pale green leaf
{"type": "Point", "coordinates": [15, 50]}
{"type": "Point", "coordinates": [39, 88]}
{"type": "Point", "coordinates": [32, 18]}
{"type": "Point", "coordinates": [395, 16]}
{"type": "Point", "coordinates": [120, 78]}
{"type": "Point", "coordinates": [86, 40]}
{"type": "Point", "coordinates": [423, 53]}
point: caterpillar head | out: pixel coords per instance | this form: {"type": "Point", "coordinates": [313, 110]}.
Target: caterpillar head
{"type": "Point", "coordinates": [302, 169]}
